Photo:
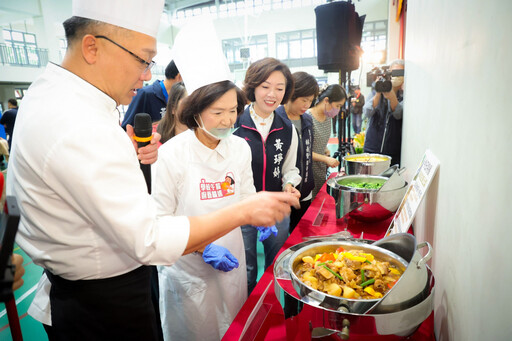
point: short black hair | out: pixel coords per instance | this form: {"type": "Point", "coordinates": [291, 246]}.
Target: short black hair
{"type": "Point", "coordinates": [13, 101]}
{"type": "Point", "coordinates": [202, 98]}
{"type": "Point", "coordinates": [171, 71]}
{"type": "Point", "coordinates": [76, 27]}
{"type": "Point", "coordinates": [305, 86]}
{"type": "Point", "coordinates": [260, 70]}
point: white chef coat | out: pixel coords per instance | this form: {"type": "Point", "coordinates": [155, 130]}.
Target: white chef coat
{"type": "Point", "coordinates": [198, 302]}
{"type": "Point", "coordinates": [85, 210]}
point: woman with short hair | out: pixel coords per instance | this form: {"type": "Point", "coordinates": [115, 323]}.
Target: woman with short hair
{"type": "Point", "coordinates": [201, 170]}
{"type": "Point", "coordinates": [273, 141]}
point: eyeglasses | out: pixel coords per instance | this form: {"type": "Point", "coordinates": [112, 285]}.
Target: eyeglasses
{"type": "Point", "coordinates": [149, 65]}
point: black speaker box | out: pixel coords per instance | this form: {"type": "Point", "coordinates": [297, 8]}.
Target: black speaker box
{"type": "Point", "coordinates": [338, 32]}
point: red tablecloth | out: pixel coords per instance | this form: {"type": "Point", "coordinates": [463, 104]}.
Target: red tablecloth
{"type": "Point", "coordinates": [267, 314]}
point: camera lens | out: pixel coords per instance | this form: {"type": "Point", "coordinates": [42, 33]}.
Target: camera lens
{"type": "Point", "coordinates": [383, 86]}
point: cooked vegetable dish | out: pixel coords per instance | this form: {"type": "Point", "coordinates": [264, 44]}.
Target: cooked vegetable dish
{"type": "Point", "coordinates": [366, 185]}
{"type": "Point", "coordinates": [363, 158]}
{"type": "Point", "coordinates": [350, 274]}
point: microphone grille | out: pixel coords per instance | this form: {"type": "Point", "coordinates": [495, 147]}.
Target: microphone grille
{"type": "Point", "coordinates": [142, 125]}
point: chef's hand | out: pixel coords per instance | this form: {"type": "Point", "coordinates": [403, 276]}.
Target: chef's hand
{"type": "Point", "coordinates": [19, 271]}
{"type": "Point", "coordinates": [219, 257]}
{"type": "Point", "coordinates": [267, 208]}
{"type": "Point", "coordinates": [147, 155]}
{"type": "Point", "coordinates": [265, 232]}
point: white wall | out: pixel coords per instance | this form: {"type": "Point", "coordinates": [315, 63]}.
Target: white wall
{"type": "Point", "coordinates": [457, 104]}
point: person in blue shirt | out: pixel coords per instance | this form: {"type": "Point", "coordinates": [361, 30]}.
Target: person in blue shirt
{"type": "Point", "coordinates": [152, 99]}
{"type": "Point", "coordinates": [9, 118]}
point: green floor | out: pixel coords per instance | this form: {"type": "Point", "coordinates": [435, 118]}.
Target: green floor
{"type": "Point", "coordinates": [30, 328]}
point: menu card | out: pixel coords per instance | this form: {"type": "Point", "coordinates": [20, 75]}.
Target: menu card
{"type": "Point", "coordinates": [414, 195]}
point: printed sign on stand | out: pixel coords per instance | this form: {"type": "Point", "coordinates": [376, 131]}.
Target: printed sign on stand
{"type": "Point", "coordinates": [414, 195]}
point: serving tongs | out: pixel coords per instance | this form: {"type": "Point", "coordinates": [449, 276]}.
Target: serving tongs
{"type": "Point", "coordinates": [394, 180]}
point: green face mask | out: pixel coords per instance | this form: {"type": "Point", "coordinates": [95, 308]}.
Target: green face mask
{"type": "Point", "coordinates": [217, 133]}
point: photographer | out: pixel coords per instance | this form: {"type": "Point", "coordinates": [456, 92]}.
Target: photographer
{"type": "Point", "coordinates": [385, 111]}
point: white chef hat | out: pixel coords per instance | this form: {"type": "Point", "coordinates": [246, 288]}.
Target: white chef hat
{"type": "Point", "coordinates": [136, 15]}
{"type": "Point", "coordinates": [198, 55]}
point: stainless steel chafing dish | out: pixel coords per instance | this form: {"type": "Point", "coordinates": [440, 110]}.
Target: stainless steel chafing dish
{"type": "Point", "coordinates": [371, 164]}
{"type": "Point", "coordinates": [399, 312]}
{"type": "Point", "coordinates": [349, 200]}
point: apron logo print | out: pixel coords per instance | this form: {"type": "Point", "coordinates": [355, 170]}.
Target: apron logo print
{"type": "Point", "coordinates": [217, 190]}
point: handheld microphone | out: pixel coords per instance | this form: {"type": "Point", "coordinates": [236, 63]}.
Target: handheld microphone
{"type": "Point", "coordinates": [142, 127]}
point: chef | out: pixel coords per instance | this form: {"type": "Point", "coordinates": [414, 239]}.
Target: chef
{"type": "Point", "coordinates": [202, 292]}
{"type": "Point", "coordinates": [86, 216]}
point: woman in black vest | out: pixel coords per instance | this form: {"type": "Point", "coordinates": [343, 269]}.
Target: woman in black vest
{"type": "Point", "coordinates": [304, 94]}
{"type": "Point", "coordinates": [273, 141]}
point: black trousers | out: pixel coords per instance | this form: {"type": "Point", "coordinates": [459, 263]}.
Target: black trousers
{"type": "Point", "coordinates": [117, 308]}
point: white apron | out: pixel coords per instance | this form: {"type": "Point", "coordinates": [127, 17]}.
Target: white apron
{"type": "Point", "coordinates": [198, 302]}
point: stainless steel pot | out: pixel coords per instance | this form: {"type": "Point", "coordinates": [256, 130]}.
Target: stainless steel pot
{"type": "Point", "coordinates": [408, 291]}
{"type": "Point", "coordinates": [335, 302]}
{"type": "Point", "coordinates": [361, 164]}
{"type": "Point", "coordinates": [349, 199]}
{"type": "Point", "coordinates": [313, 313]}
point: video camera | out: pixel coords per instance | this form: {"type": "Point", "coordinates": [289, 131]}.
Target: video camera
{"type": "Point", "coordinates": [382, 78]}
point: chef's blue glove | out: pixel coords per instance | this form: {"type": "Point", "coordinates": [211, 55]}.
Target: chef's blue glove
{"type": "Point", "coordinates": [219, 257]}
{"type": "Point", "coordinates": [265, 232]}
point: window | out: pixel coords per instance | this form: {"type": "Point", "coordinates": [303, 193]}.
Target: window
{"type": "Point", "coordinates": [296, 45]}
{"type": "Point", "coordinates": [241, 7]}
{"type": "Point", "coordinates": [374, 41]}
{"type": "Point", "coordinates": [21, 49]}
{"type": "Point", "coordinates": [257, 45]}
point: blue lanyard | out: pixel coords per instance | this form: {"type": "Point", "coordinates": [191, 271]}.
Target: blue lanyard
{"type": "Point", "coordinates": [164, 90]}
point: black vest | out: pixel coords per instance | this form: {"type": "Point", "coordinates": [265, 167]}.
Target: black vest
{"type": "Point", "coordinates": [267, 155]}
{"type": "Point", "coordinates": [304, 152]}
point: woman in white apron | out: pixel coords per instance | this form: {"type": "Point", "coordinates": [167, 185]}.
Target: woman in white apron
{"type": "Point", "coordinates": [198, 171]}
